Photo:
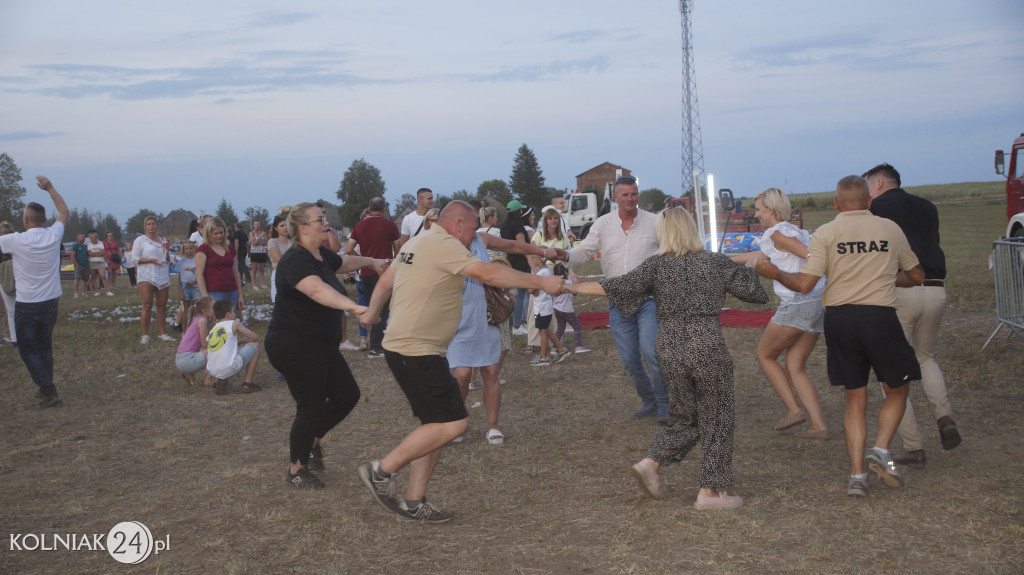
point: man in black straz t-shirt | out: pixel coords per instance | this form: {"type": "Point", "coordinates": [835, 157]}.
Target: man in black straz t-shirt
{"type": "Point", "coordinates": [241, 241]}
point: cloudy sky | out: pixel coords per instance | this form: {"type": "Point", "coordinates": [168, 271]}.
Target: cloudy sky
{"type": "Point", "coordinates": [161, 105]}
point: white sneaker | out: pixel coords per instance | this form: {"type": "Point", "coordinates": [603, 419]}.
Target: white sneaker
{"type": "Point", "coordinates": [76, 296]}
{"type": "Point", "coordinates": [348, 346]}
{"type": "Point", "coordinates": [165, 337]}
{"type": "Point", "coordinates": [144, 340]}
{"type": "Point", "coordinates": [110, 293]}
{"type": "Point", "coordinates": [255, 288]}
{"type": "Point", "coordinates": [520, 331]}
{"type": "Point", "coordinates": [96, 294]}
{"type": "Point", "coordinates": [582, 350]}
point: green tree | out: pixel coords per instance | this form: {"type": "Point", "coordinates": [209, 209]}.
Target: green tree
{"type": "Point", "coordinates": [498, 190]}
{"type": "Point", "coordinates": [408, 201]}
{"type": "Point", "coordinates": [227, 213]}
{"type": "Point", "coordinates": [442, 200]}
{"type": "Point", "coordinates": [78, 223]}
{"type": "Point", "coordinates": [11, 191]}
{"type": "Point", "coordinates": [361, 183]}
{"type": "Point", "coordinates": [255, 214]}
{"type": "Point", "coordinates": [464, 196]}
{"type": "Point", "coordinates": [108, 223]}
{"type": "Point", "coordinates": [653, 199]}
{"type": "Point", "coordinates": [136, 223]}
{"type": "Point", "coordinates": [527, 180]}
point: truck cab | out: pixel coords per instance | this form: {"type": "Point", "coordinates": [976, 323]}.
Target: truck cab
{"type": "Point", "coordinates": [1014, 186]}
{"type": "Point", "coordinates": [583, 209]}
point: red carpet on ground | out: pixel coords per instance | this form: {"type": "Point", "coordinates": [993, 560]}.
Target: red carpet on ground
{"type": "Point", "coordinates": [729, 318]}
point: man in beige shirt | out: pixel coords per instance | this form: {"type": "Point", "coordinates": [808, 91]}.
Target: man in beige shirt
{"type": "Point", "coordinates": [425, 285]}
{"type": "Point", "coordinates": [864, 258]}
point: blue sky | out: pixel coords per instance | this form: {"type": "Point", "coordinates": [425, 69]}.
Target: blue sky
{"type": "Point", "coordinates": [179, 104]}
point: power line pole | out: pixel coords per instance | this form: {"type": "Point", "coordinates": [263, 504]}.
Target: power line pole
{"type": "Point", "coordinates": [693, 153]}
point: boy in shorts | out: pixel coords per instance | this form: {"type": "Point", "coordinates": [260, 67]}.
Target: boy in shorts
{"type": "Point", "coordinates": [224, 357]}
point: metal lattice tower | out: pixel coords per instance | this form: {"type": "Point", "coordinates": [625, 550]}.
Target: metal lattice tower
{"type": "Point", "coordinates": [693, 152]}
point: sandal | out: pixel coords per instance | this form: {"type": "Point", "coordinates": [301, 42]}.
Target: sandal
{"type": "Point", "coordinates": [249, 387]}
{"type": "Point", "coordinates": [494, 437]}
{"type": "Point", "coordinates": [474, 385]}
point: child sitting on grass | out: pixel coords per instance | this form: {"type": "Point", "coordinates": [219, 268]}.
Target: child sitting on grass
{"type": "Point", "coordinates": [543, 310]}
{"type": "Point", "coordinates": [224, 358]}
{"type": "Point", "coordinates": [191, 355]}
{"type": "Point", "coordinates": [564, 312]}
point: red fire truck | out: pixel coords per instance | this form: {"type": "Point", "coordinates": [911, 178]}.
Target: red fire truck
{"type": "Point", "coordinates": [1014, 187]}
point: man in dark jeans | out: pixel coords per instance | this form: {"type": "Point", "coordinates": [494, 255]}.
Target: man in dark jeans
{"type": "Point", "coordinates": [36, 255]}
{"type": "Point", "coordinates": [241, 241]}
{"type": "Point", "coordinates": [379, 238]}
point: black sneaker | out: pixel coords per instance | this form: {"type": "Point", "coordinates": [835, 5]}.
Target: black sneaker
{"type": "Point", "coordinates": [220, 387]}
{"type": "Point", "coordinates": [375, 353]}
{"type": "Point", "coordinates": [316, 459]}
{"type": "Point", "coordinates": [51, 400]}
{"type": "Point", "coordinates": [425, 512]}
{"type": "Point", "coordinates": [303, 479]}
{"type": "Point", "coordinates": [383, 489]}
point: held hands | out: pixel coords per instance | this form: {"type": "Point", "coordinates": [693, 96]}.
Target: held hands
{"type": "Point", "coordinates": [569, 288]}
{"type": "Point", "coordinates": [552, 284]}
{"type": "Point", "coordinates": [766, 268]}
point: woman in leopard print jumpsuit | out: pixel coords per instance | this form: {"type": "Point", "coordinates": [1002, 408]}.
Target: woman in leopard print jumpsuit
{"type": "Point", "coordinates": [689, 286]}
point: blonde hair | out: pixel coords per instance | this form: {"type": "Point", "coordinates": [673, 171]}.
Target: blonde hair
{"type": "Point", "coordinates": [198, 306]}
{"type": "Point", "coordinates": [487, 212]}
{"type": "Point", "coordinates": [298, 217]}
{"type": "Point", "coordinates": [212, 223]}
{"type": "Point", "coordinates": [431, 212]}
{"type": "Point", "coordinates": [776, 200]}
{"type": "Point", "coordinates": [677, 234]}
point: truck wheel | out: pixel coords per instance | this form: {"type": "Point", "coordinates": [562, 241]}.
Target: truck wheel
{"type": "Point", "coordinates": [1018, 233]}
{"type": "Point", "coordinates": [585, 230]}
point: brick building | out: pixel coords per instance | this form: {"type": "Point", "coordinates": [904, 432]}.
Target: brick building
{"type": "Point", "coordinates": [599, 178]}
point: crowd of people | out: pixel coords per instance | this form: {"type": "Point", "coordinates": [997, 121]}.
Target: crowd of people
{"type": "Point", "coordinates": [871, 280]}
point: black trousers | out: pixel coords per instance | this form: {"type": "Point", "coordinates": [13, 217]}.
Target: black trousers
{"type": "Point", "coordinates": [321, 382]}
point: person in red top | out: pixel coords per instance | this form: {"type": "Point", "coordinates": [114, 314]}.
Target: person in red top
{"type": "Point", "coordinates": [216, 272]}
{"type": "Point", "coordinates": [112, 253]}
{"type": "Point", "coordinates": [378, 238]}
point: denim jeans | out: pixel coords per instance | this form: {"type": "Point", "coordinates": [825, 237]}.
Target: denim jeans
{"type": "Point", "coordinates": [634, 337]}
{"type": "Point", "coordinates": [519, 311]}
{"type": "Point", "coordinates": [34, 325]}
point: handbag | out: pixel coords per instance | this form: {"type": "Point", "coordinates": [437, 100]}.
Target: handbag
{"type": "Point", "coordinates": [500, 303]}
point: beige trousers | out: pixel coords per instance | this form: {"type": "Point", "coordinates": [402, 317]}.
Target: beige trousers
{"type": "Point", "coordinates": [920, 311]}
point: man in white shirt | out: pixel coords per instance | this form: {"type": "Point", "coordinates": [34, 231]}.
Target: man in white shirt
{"type": "Point", "coordinates": [36, 256]}
{"type": "Point", "coordinates": [626, 238]}
{"type": "Point", "coordinates": [558, 202]}
{"type": "Point", "coordinates": [412, 224]}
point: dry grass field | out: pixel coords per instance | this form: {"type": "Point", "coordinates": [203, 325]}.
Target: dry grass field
{"type": "Point", "coordinates": [134, 443]}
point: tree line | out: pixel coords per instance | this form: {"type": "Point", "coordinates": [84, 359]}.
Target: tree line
{"type": "Point", "coordinates": [361, 182]}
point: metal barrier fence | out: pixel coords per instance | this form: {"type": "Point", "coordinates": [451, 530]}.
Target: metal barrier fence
{"type": "Point", "coordinates": [1008, 264]}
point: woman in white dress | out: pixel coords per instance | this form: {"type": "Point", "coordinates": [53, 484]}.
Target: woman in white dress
{"type": "Point", "coordinates": [151, 257]}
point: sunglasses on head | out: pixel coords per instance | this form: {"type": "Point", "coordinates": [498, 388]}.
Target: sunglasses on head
{"type": "Point", "coordinates": [625, 180]}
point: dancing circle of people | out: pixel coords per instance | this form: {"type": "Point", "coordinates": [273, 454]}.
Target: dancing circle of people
{"type": "Point", "coordinates": [871, 280]}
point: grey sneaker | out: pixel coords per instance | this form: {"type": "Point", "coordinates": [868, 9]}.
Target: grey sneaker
{"type": "Point", "coordinates": [51, 400]}
{"type": "Point", "coordinates": [539, 361]}
{"type": "Point", "coordinates": [560, 357]}
{"type": "Point", "coordinates": [884, 468]}
{"type": "Point", "coordinates": [425, 511]}
{"type": "Point", "coordinates": [383, 489]}
{"type": "Point", "coordinates": [858, 487]}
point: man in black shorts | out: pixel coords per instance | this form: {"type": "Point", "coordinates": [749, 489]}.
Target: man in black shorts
{"type": "Point", "coordinates": [425, 285]}
{"type": "Point", "coordinates": [864, 258]}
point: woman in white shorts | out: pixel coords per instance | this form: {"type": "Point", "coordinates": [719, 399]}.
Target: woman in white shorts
{"type": "Point", "coordinates": [797, 323]}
